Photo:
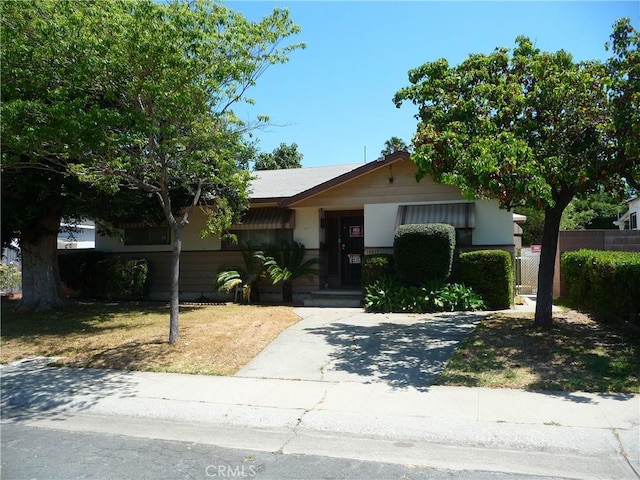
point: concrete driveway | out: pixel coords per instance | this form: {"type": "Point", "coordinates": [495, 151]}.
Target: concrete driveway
{"type": "Point", "coordinates": [349, 345]}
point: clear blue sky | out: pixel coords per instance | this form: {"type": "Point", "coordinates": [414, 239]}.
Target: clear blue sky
{"type": "Point", "coordinates": [335, 97]}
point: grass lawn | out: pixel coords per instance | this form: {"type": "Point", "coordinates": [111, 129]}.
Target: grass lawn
{"type": "Point", "coordinates": [214, 340]}
{"type": "Point", "coordinates": [577, 353]}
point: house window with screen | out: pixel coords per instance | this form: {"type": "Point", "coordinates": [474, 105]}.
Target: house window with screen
{"type": "Point", "coordinates": [259, 238]}
{"type": "Point", "coordinates": [633, 221]}
{"type": "Point", "coordinates": [147, 235]}
{"type": "Point", "coordinates": [262, 227]}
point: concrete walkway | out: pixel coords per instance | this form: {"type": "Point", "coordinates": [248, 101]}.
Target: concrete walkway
{"type": "Point", "coordinates": [349, 345]}
{"type": "Point", "coordinates": [344, 405]}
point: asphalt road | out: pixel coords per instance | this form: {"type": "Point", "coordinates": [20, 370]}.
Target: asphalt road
{"type": "Point", "coordinates": [42, 454]}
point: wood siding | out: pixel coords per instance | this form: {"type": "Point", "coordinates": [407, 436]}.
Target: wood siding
{"type": "Point", "coordinates": [375, 187]}
{"type": "Point", "coordinates": [198, 271]}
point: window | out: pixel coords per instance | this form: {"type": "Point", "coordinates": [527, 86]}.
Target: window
{"type": "Point", "coordinates": [633, 221]}
{"type": "Point", "coordinates": [259, 238]}
{"type": "Point", "coordinates": [464, 237]}
{"type": "Point", "coordinates": [147, 236]}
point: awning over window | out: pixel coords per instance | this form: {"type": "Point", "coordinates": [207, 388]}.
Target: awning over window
{"type": "Point", "coordinates": [266, 219]}
{"type": "Point", "coordinates": [460, 215]}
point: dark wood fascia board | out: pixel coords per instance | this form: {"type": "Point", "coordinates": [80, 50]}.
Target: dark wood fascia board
{"type": "Point", "coordinates": [345, 177]}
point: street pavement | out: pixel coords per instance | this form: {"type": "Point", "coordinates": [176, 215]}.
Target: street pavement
{"type": "Point", "coordinates": [344, 384]}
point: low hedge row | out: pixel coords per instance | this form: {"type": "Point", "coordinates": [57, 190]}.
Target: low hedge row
{"type": "Point", "coordinates": [603, 281]}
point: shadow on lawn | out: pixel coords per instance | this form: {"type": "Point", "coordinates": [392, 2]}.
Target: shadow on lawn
{"type": "Point", "coordinates": [400, 355]}
{"type": "Point", "coordinates": [31, 389]}
{"type": "Point", "coordinates": [84, 317]}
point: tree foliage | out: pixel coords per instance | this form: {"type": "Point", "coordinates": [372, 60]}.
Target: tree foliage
{"type": "Point", "coordinates": [284, 156]}
{"type": "Point", "coordinates": [140, 95]}
{"type": "Point", "coordinates": [55, 112]}
{"type": "Point", "coordinates": [394, 144]}
{"type": "Point", "coordinates": [529, 128]}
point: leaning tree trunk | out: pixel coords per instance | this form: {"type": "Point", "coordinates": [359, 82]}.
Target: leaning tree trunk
{"type": "Point", "coordinates": [41, 286]}
{"type": "Point", "coordinates": [544, 298]}
{"type": "Point", "coordinates": [174, 306]}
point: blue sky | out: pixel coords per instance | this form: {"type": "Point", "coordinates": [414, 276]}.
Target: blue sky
{"type": "Point", "coordinates": [335, 97]}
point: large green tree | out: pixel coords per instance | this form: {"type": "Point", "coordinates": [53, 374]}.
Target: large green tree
{"type": "Point", "coordinates": [282, 157]}
{"type": "Point", "coordinates": [56, 107]}
{"type": "Point", "coordinates": [529, 128]}
{"type": "Point", "coordinates": [183, 67]}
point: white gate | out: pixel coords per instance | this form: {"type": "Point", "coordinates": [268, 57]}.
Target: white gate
{"type": "Point", "coordinates": [526, 272]}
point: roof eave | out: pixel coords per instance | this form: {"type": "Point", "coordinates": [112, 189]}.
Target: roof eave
{"type": "Point", "coordinates": [345, 177]}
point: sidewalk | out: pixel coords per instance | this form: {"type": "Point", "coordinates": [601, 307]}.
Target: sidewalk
{"type": "Point", "coordinates": [568, 435]}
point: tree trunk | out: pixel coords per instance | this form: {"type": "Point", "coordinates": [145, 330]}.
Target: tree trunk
{"type": "Point", "coordinates": [41, 286]}
{"type": "Point", "coordinates": [544, 298]}
{"type": "Point", "coordinates": [287, 291]}
{"type": "Point", "coordinates": [175, 286]}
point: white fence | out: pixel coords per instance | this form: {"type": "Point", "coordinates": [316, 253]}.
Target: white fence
{"type": "Point", "coordinates": [526, 272]}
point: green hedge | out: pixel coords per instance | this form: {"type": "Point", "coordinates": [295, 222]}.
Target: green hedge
{"type": "Point", "coordinates": [424, 252]}
{"type": "Point", "coordinates": [490, 273]}
{"type": "Point", "coordinates": [603, 281]}
{"type": "Point", "coordinates": [374, 267]}
{"type": "Point", "coordinates": [122, 279]}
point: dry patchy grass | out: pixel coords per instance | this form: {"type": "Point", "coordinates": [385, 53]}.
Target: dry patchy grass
{"type": "Point", "coordinates": [214, 339]}
{"type": "Point", "coordinates": [577, 353]}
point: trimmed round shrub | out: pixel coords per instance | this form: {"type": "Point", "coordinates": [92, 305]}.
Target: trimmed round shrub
{"type": "Point", "coordinates": [424, 252]}
{"type": "Point", "coordinates": [490, 273]}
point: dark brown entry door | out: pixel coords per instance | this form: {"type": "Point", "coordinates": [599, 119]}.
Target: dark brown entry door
{"type": "Point", "coordinates": [352, 250]}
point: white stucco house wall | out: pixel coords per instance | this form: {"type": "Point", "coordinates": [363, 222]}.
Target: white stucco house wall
{"type": "Point", "coordinates": [629, 220]}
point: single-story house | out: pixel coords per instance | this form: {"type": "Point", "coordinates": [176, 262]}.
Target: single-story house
{"type": "Point", "coordinates": [629, 221]}
{"type": "Point", "coordinates": [339, 212]}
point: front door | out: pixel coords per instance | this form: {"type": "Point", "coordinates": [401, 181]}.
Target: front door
{"type": "Point", "coordinates": [351, 250]}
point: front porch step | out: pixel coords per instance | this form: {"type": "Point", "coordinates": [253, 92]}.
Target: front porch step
{"type": "Point", "coordinates": [334, 299]}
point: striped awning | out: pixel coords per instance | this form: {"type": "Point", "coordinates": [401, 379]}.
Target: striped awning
{"type": "Point", "coordinates": [460, 215]}
{"type": "Point", "coordinates": [266, 219]}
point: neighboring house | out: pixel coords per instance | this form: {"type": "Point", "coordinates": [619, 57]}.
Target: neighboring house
{"type": "Point", "coordinates": [340, 213]}
{"type": "Point", "coordinates": [80, 235]}
{"type": "Point", "coordinates": [629, 221]}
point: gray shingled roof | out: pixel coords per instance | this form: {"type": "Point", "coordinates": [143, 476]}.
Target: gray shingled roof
{"type": "Point", "coordinates": [289, 182]}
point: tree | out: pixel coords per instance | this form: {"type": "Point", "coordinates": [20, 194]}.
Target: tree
{"type": "Point", "coordinates": [183, 66]}
{"type": "Point", "coordinates": [598, 210]}
{"type": "Point", "coordinates": [282, 157]}
{"type": "Point", "coordinates": [394, 144]}
{"type": "Point", "coordinates": [55, 109]}
{"type": "Point", "coordinates": [529, 128]}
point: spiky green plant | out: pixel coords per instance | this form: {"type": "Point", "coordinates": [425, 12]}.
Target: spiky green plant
{"type": "Point", "coordinates": [285, 263]}
{"type": "Point", "coordinates": [247, 276]}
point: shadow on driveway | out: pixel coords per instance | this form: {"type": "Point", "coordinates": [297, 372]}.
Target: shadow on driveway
{"type": "Point", "coordinates": [400, 355]}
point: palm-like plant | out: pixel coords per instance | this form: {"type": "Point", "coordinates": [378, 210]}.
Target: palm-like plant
{"type": "Point", "coordinates": [246, 276]}
{"type": "Point", "coordinates": [285, 263]}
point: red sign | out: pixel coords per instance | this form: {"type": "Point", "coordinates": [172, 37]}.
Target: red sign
{"type": "Point", "coordinates": [355, 231]}
{"type": "Point", "coordinates": [536, 248]}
